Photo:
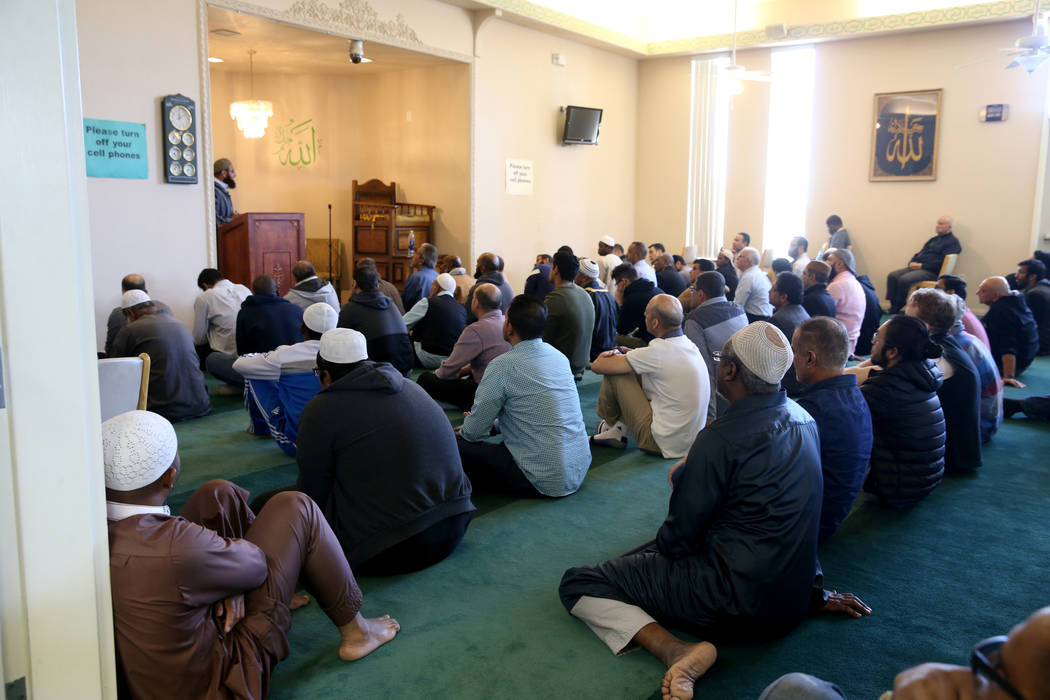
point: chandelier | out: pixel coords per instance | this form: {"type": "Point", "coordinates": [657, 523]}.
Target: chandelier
{"type": "Point", "coordinates": [252, 115]}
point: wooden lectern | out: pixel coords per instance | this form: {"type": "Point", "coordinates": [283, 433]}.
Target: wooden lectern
{"type": "Point", "coordinates": [256, 244]}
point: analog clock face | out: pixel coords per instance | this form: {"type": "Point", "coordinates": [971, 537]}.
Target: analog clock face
{"type": "Point", "coordinates": [188, 154]}
{"type": "Point", "coordinates": [174, 153]}
{"type": "Point", "coordinates": [175, 169]}
{"type": "Point", "coordinates": [180, 117]}
{"type": "Point", "coordinates": [188, 170]}
{"type": "Point", "coordinates": [173, 137]}
{"type": "Point", "coordinates": [187, 139]}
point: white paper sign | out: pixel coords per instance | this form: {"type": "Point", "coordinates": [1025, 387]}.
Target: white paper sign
{"type": "Point", "coordinates": [519, 176]}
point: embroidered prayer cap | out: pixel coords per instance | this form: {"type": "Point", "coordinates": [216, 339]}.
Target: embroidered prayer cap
{"type": "Point", "coordinates": [137, 447]}
{"type": "Point", "coordinates": [320, 317]}
{"type": "Point", "coordinates": [608, 240]}
{"type": "Point", "coordinates": [342, 346]}
{"type": "Point", "coordinates": [446, 281]}
{"type": "Point", "coordinates": [588, 268]}
{"type": "Point", "coordinates": [764, 350]}
{"type": "Point", "coordinates": [133, 297]}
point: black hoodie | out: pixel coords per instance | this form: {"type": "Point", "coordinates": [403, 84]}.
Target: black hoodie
{"type": "Point", "coordinates": [1012, 331]}
{"type": "Point", "coordinates": [376, 317]}
{"type": "Point", "coordinates": [266, 321]}
{"type": "Point", "coordinates": [380, 459]}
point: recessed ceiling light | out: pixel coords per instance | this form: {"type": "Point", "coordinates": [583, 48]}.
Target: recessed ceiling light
{"type": "Point", "coordinates": [213, 59]}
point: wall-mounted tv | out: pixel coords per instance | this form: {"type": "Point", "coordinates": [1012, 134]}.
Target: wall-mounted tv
{"type": "Point", "coordinates": [581, 125]}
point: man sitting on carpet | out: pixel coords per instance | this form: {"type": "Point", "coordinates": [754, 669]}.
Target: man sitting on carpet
{"type": "Point", "coordinates": [215, 325]}
{"type": "Point", "coordinates": [752, 292]}
{"type": "Point", "coordinates": [633, 295]}
{"type": "Point", "coordinates": [265, 320]}
{"type": "Point", "coordinates": [816, 300]}
{"type": "Point", "coordinates": [660, 393]}
{"type": "Point", "coordinates": [309, 288]}
{"type": "Point", "coordinates": [530, 391]}
{"type": "Point", "coordinates": [1011, 327]}
{"type": "Point", "coordinates": [201, 600]}
{"type": "Point", "coordinates": [713, 320]}
{"type": "Point", "coordinates": [380, 459]}
{"type": "Point", "coordinates": [418, 283]}
{"type": "Point", "coordinates": [850, 302]}
{"type": "Point", "coordinates": [487, 270]}
{"type": "Point", "coordinates": [737, 554]}
{"type": "Point", "coordinates": [374, 315]}
{"type": "Point", "coordinates": [435, 322]}
{"type": "Point", "coordinates": [117, 319]}
{"type": "Point", "coordinates": [821, 347]}
{"type": "Point", "coordinates": [956, 286]}
{"type": "Point", "coordinates": [456, 380]}
{"type": "Point", "coordinates": [570, 314]}
{"type": "Point", "coordinates": [603, 337]}
{"type": "Point", "coordinates": [280, 383]}
{"type": "Point", "coordinates": [667, 277]}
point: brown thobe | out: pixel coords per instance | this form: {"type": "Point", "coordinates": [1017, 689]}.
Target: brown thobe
{"type": "Point", "coordinates": [167, 573]}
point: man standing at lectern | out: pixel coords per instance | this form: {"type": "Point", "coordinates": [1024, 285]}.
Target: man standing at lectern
{"type": "Point", "coordinates": [224, 182]}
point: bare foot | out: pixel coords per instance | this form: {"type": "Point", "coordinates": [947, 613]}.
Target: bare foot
{"type": "Point", "coordinates": [364, 635]}
{"type": "Point", "coordinates": [298, 600]}
{"type": "Point", "coordinates": [693, 663]}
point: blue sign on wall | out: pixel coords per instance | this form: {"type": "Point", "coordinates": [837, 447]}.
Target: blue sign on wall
{"type": "Point", "coordinates": [115, 149]}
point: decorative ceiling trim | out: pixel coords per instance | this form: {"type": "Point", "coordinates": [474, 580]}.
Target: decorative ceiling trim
{"type": "Point", "coordinates": [999, 9]}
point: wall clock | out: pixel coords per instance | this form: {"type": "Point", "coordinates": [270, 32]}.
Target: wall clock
{"type": "Point", "coordinates": [179, 129]}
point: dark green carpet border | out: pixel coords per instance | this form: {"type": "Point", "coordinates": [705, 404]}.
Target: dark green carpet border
{"type": "Point", "coordinates": [968, 562]}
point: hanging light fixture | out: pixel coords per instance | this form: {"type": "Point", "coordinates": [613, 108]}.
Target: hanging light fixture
{"type": "Point", "coordinates": [252, 115]}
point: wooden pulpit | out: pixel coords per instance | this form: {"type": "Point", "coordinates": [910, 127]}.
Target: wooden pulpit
{"type": "Point", "coordinates": [256, 244]}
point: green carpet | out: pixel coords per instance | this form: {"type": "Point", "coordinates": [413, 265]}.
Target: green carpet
{"type": "Point", "coordinates": [967, 563]}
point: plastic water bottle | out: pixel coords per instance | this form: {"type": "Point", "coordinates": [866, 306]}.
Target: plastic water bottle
{"type": "Point", "coordinates": [411, 242]}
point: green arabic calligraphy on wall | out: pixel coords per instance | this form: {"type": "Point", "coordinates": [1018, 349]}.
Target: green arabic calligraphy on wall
{"type": "Point", "coordinates": [297, 144]}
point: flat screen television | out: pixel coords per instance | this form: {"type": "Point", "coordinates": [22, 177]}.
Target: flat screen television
{"type": "Point", "coordinates": [582, 125]}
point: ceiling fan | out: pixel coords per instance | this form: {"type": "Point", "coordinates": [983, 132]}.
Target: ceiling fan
{"type": "Point", "coordinates": [1030, 52]}
{"type": "Point", "coordinates": [736, 72]}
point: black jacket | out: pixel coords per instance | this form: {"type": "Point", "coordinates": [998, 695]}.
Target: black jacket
{"type": "Point", "coordinates": [266, 321]}
{"type": "Point", "coordinates": [1012, 331]}
{"type": "Point", "coordinates": [1038, 300]}
{"type": "Point", "coordinates": [380, 459]}
{"type": "Point", "coordinates": [907, 457]}
{"type": "Point", "coordinates": [872, 315]}
{"type": "Point", "coordinates": [817, 301]}
{"type": "Point", "coordinates": [636, 297]}
{"type": "Point", "coordinates": [960, 397]}
{"type": "Point", "coordinates": [495, 277]}
{"type": "Point", "coordinates": [439, 329]}
{"type": "Point", "coordinates": [606, 313]}
{"type": "Point", "coordinates": [670, 281]}
{"type": "Point", "coordinates": [376, 317]}
{"type": "Point", "coordinates": [932, 254]}
{"type": "Point", "coordinates": [728, 273]}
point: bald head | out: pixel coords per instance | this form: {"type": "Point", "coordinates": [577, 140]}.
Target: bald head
{"type": "Point", "coordinates": [749, 257]}
{"type": "Point", "coordinates": [488, 262]}
{"type": "Point", "coordinates": [944, 225]}
{"type": "Point", "coordinates": [304, 269]}
{"type": "Point", "coordinates": [992, 289]}
{"type": "Point", "coordinates": [132, 281]}
{"type": "Point", "coordinates": [488, 297]}
{"type": "Point", "coordinates": [663, 314]}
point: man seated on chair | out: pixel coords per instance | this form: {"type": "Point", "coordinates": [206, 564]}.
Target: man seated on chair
{"type": "Point", "coordinates": [117, 319]}
{"type": "Point", "coordinates": [659, 394]}
{"type": "Point", "coordinates": [456, 380]}
{"type": "Point", "coordinates": [924, 265]}
{"type": "Point", "coordinates": [384, 286]}
{"type": "Point", "coordinates": [215, 324]}
{"type": "Point", "coordinates": [202, 600]}
{"type": "Point", "coordinates": [530, 392]}
{"type": "Point", "coordinates": [418, 283]}
{"type": "Point", "coordinates": [176, 383]}
{"type": "Point", "coordinates": [265, 320]}
{"type": "Point", "coordinates": [374, 314]}
{"type": "Point", "coordinates": [380, 459]}
{"type": "Point", "coordinates": [605, 310]}
{"type": "Point", "coordinates": [1011, 328]}
{"type": "Point", "coordinates": [570, 314]}
{"type": "Point", "coordinates": [752, 292]}
{"type": "Point", "coordinates": [435, 322]}
{"type": "Point", "coordinates": [278, 384]}
{"type": "Point", "coordinates": [737, 554]}
{"type": "Point", "coordinates": [309, 288]}
{"type": "Point", "coordinates": [850, 302]}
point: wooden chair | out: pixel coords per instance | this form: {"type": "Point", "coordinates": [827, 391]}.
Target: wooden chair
{"type": "Point", "coordinates": [947, 268]}
{"type": "Point", "coordinates": [123, 384]}
{"type": "Point", "coordinates": [317, 253]}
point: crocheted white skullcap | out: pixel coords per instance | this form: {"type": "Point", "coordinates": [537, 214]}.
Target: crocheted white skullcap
{"type": "Point", "coordinates": [343, 346]}
{"type": "Point", "coordinates": [320, 317]}
{"type": "Point", "coordinates": [133, 297]}
{"type": "Point", "coordinates": [137, 447]}
{"type": "Point", "coordinates": [446, 281]}
{"type": "Point", "coordinates": [608, 240]}
{"type": "Point", "coordinates": [764, 350]}
{"type": "Point", "coordinates": [589, 268]}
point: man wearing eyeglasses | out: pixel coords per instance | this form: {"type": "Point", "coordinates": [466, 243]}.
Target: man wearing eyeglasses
{"type": "Point", "coordinates": [1015, 667]}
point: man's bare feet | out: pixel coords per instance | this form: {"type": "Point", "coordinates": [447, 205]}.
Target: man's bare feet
{"type": "Point", "coordinates": [364, 635]}
{"type": "Point", "coordinates": [682, 674]}
{"type": "Point", "coordinates": [298, 600]}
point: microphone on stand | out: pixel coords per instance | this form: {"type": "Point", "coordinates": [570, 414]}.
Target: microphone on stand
{"type": "Point", "coordinates": [331, 272]}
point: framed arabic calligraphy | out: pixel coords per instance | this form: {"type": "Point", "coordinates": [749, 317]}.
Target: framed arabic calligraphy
{"type": "Point", "coordinates": [905, 136]}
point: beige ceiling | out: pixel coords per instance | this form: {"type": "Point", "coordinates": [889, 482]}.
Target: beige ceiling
{"type": "Point", "coordinates": [282, 48]}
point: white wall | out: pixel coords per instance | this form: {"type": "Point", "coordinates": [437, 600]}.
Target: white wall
{"type": "Point", "coordinates": [580, 192]}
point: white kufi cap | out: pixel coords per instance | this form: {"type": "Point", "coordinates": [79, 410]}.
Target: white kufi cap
{"type": "Point", "coordinates": [608, 240]}
{"type": "Point", "coordinates": [589, 268]}
{"type": "Point", "coordinates": [137, 447]}
{"type": "Point", "coordinates": [343, 346]}
{"type": "Point", "coordinates": [446, 281]}
{"type": "Point", "coordinates": [133, 297]}
{"type": "Point", "coordinates": [764, 350]}
{"type": "Point", "coordinates": [320, 317]}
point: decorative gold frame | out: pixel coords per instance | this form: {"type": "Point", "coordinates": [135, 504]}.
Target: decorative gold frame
{"type": "Point", "coordinates": [907, 147]}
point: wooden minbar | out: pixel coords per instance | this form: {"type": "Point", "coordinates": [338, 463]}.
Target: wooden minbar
{"type": "Point", "coordinates": [383, 228]}
{"type": "Point", "coordinates": [254, 244]}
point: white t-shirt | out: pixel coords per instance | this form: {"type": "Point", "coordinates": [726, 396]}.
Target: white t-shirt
{"type": "Point", "coordinates": [606, 264]}
{"type": "Point", "coordinates": [675, 380]}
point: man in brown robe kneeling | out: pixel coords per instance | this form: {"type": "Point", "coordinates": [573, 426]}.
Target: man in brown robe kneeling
{"type": "Point", "coordinates": [201, 600]}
